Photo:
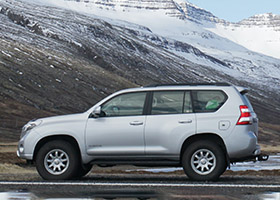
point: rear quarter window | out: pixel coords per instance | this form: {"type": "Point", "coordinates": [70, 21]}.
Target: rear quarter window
{"type": "Point", "coordinates": [208, 100]}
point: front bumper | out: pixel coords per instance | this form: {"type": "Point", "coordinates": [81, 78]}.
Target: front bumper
{"type": "Point", "coordinates": [24, 156]}
{"type": "Point", "coordinates": [21, 151]}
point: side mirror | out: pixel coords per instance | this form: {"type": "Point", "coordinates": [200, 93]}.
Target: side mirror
{"type": "Point", "coordinates": [96, 112]}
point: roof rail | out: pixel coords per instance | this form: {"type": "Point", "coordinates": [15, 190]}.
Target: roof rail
{"type": "Point", "coordinates": [189, 84]}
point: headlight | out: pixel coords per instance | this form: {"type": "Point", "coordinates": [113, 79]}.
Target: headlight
{"type": "Point", "coordinates": [30, 125]}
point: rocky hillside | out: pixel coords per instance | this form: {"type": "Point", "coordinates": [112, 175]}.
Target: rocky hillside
{"type": "Point", "coordinates": [51, 64]}
{"type": "Point", "coordinates": [57, 61]}
{"type": "Point", "coordinates": [268, 20]}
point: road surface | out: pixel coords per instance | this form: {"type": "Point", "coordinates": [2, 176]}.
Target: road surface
{"type": "Point", "coordinates": [145, 186]}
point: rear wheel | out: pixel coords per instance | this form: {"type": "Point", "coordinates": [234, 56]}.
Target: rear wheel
{"type": "Point", "coordinates": [204, 161]}
{"type": "Point", "coordinates": [57, 160]}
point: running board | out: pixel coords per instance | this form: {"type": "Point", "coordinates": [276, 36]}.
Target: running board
{"type": "Point", "coordinates": [151, 163]}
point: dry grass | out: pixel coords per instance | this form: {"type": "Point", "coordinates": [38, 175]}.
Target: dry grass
{"type": "Point", "coordinates": [7, 168]}
{"type": "Point", "coordinates": [270, 149]}
{"type": "Point", "coordinates": [8, 147]}
{"type": "Point", "coordinates": [269, 134]}
{"type": "Point", "coordinates": [13, 168]}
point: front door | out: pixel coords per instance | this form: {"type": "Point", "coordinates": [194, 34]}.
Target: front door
{"type": "Point", "coordinates": [120, 128]}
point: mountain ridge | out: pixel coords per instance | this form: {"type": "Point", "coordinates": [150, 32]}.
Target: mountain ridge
{"type": "Point", "coordinates": [265, 19]}
{"type": "Point", "coordinates": [186, 12]}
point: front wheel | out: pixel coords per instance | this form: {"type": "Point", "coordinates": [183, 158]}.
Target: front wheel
{"type": "Point", "coordinates": [204, 161]}
{"type": "Point", "coordinates": [83, 170]}
{"type": "Point", "coordinates": [57, 160]}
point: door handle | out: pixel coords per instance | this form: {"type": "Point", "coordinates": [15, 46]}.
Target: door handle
{"type": "Point", "coordinates": [136, 123]}
{"type": "Point", "coordinates": [185, 121]}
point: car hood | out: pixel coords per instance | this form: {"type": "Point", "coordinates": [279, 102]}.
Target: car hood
{"type": "Point", "coordinates": [64, 118]}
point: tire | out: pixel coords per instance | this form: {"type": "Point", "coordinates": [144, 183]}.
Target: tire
{"type": "Point", "coordinates": [57, 160]}
{"type": "Point", "coordinates": [83, 170]}
{"type": "Point", "coordinates": [204, 161]}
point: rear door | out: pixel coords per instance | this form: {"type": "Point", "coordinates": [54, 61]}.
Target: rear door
{"type": "Point", "coordinates": [170, 121]}
{"type": "Point", "coordinates": [210, 115]}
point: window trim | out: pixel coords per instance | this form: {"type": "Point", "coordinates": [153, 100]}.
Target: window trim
{"type": "Point", "coordinates": [147, 108]}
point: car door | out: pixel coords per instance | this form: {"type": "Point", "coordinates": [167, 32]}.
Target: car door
{"type": "Point", "coordinates": [120, 128]}
{"type": "Point", "coordinates": [170, 122]}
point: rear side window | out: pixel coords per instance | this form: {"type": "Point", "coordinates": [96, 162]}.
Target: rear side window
{"type": "Point", "coordinates": [171, 102]}
{"type": "Point", "coordinates": [208, 100]}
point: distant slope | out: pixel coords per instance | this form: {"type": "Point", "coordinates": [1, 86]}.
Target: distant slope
{"type": "Point", "coordinates": [259, 33]}
{"type": "Point", "coordinates": [184, 22]}
{"type": "Point", "coordinates": [56, 61]}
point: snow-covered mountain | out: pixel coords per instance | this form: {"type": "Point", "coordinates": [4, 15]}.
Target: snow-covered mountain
{"type": "Point", "coordinates": [55, 61]}
{"type": "Point", "coordinates": [262, 28]}
{"type": "Point", "coordinates": [235, 44]}
{"type": "Point", "coordinates": [94, 47]}
{"type": "Point", "coordinates": [259, 33]}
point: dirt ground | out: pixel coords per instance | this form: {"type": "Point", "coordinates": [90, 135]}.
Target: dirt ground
{"type": "Point", "coordinates": [14, 168]}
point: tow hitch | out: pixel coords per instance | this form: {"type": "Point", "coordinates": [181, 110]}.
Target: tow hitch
{"type": "Point", "coordinates": [262, 157]}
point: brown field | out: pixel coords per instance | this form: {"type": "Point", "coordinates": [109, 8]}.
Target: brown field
{"type": "Point", "coordinates": [13, 168]}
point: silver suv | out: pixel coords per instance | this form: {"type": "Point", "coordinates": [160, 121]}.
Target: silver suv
{"type": "Point", "coordinates": [201, 127]}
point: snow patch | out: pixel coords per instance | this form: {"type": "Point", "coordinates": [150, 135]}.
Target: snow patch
{"type": "Point", "coordinates": [6, 54]}
{"type": "Point", "coordinates": [77, 43]}
{"type": "Point", "coordinates": [273, 163]}
{"type": "Point", "coordinates": [17, 49]}
{"type": "Point", "coordinates": [19, 72]}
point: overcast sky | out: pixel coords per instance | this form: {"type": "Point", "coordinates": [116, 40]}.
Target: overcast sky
{"type": "Point", "coordinates": [236, 10]}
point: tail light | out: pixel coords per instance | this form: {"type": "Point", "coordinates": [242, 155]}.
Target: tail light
{"type": "Point", "coordinates": [245, 117]}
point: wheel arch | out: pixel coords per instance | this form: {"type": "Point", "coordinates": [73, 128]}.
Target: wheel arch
{"type": "Point", "coordinates": [205, 136]}
{"type": "Point", "coordinates": [46, 139]}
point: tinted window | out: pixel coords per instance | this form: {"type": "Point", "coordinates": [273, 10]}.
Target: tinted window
{"type": "Point", "coordinates": [125, 105]}
{"type": "Point", "coordinates": [171, 102]}
{"type": "Point", "coordinates": [188, 103]}
{"type": "Point", "coordinates": [208, 101]}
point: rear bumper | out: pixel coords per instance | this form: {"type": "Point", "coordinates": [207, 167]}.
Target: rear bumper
{"type": "Point", "coordinates": [261, 157]}
{"type": "Point", "coordinates": [257, 156]}
{"type": "Point", "coordinates": [242, 145]}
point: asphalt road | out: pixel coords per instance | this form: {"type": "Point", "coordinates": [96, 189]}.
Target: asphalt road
{"type": "Point", "coordinates": [143, 186]}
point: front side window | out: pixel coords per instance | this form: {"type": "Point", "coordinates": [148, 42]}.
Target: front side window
{"type": "Point", "coordinates": [124, 105]}
{"type": "Point", "coordinates": [171, 102]}
{"type": "Point", "coordinates": [208, 101]}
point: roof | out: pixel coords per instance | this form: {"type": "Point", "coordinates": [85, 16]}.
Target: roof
{"type": "Point", "coordinates": [190, 84]}
{"type": "Point", "coordinates": [173, 86]}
